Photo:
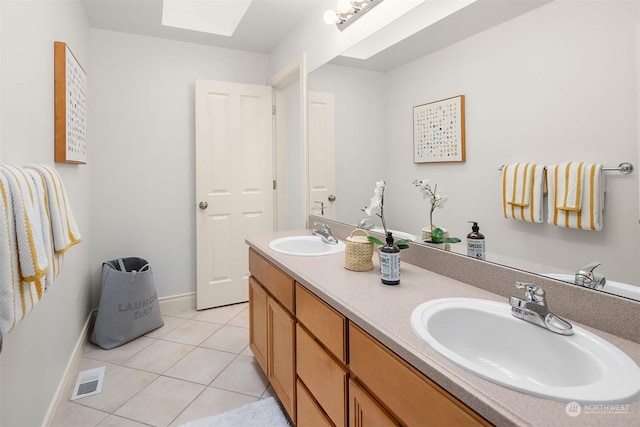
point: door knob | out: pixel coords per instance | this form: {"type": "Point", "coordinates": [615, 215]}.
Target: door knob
{"type": "Point", "coordinates": [203, 205]}
{"type": "Point", "coordinates": [331, 198]}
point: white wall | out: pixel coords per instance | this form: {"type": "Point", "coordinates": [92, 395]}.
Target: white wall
{"type": "Point", "coordinates": [360, 134]}
{"type": "Point", "coordinates": [0, 160]}
{"type": "Point", "coordinates": [37, 350]}
{"type": "Point", "coordinates": [142, 122]}
{"type": "Point", "coordinates": [295, 165]}
{"type": "Point", "coordinates": [557, 84]}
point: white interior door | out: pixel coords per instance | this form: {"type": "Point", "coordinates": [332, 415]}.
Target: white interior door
{"type": "Point", "coordinates": [234, 185]}
{"type": "Point", "coordinates": [322, 155]}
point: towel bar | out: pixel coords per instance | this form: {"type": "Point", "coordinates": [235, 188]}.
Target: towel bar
{"type": "Point", "coordinates": [624, 168]}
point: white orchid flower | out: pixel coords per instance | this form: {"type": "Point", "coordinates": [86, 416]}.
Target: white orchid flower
{"type": "Point", "coordinates": [439, 200]}
{"type": "Point", "coordinates": [423, 185]}
{"type": "Point", "coordinates": [436, 200]}
{"type": "Point", "coordinates": [374, 203]}
{"type": "Point", "coordinates": [377, 202]}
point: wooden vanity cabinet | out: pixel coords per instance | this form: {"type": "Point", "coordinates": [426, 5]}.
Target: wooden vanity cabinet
{"type": "Point", "coordinates": [411, 397]}
{"type": "Point", "coordinates": [272, 328]}
{"type": "Point", "coordinates": [326, 371]}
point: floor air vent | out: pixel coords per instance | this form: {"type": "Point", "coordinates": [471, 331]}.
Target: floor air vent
{"type": "Point", "coordinates": [88, 383]}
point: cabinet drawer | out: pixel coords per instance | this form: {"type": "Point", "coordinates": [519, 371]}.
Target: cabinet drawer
{"type": "Point", "coordinates": [411, 396]}
{"type": "Point", "coordinates": [275, 281]}
{"type": "Point", "coordinates": [326, 324]}
{"type": "Point", "coordinates": [365, 411]}
{"type": "Point", "coordinates": [309, 413]}
{"type": "Point", "coordinates": [323, 376]}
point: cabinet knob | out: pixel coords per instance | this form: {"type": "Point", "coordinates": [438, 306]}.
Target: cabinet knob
{"type": "Point", "coordinates": [203, 205]}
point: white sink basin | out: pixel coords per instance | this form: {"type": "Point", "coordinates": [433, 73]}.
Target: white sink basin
{"type": "Point", "coordinates": [611, 287]}
{"type": "Point", "coordinates": [305, 246]}
{"type": "Point", "coordinates": [398, 235]}
{"type": "Point", "coordinates": [483, 337]}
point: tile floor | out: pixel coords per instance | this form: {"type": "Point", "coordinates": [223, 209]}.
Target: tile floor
{"type": "Point", "coordinates": [198, 364]}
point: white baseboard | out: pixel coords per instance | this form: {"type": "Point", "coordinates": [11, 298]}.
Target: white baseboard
{"type": "Point", "coordinates": [59, 396]}
{"type": "Point", "coordinates": [177, 303]}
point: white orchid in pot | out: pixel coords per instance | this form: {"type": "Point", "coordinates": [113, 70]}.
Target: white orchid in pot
{"type": "Point", "coordinates": [376, 206]}
{"type": "Point", "coordinates": [437, 201]}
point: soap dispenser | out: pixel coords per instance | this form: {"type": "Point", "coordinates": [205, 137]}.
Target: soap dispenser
{"type": "Point", "coordinates": [389, 262]}
{"type": "Point", "coordinates": [475, 242]}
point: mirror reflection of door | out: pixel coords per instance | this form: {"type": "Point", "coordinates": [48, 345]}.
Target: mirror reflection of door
{"type": "Point", "coordinates": [322, 155]}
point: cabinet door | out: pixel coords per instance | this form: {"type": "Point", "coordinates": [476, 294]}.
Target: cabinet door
{"type": "Point", "coordinates": [281, 357]}
{"type": "Point", "coordinates": [365, 411]}
{"type": "Point", "coordinates": [258, 322]}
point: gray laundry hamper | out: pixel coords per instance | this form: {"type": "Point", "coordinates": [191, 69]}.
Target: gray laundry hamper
{"type": "Point", "coordinates": [128, 304]}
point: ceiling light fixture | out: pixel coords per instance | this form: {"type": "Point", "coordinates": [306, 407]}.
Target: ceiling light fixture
{"type": "Point", "coordinates": [348, 11]}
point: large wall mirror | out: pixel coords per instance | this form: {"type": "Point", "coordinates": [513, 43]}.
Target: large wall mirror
{"type": "Point", "coordinates": [558, 83]}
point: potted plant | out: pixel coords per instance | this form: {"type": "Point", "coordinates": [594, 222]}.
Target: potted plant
{"type": "Point", "coordinates": [434, 235]}
{"type": "Point", "coordinates": [376, 206]}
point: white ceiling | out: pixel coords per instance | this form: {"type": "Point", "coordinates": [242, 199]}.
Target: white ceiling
{"type": "Point", "coordinates": [267, 22]}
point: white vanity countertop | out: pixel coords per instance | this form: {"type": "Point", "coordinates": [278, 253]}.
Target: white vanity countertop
{"type": "Point", "coordinates": [384, 312]}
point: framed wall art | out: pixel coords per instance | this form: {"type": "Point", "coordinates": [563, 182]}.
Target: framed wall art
{"type": "Point", "coordinates": [70, 98]}
{"type": "Point", "coordinates": [438, 131]}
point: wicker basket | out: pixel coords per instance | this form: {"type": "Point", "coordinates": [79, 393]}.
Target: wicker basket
{"type": "Point", "coordinates": [359, 252]}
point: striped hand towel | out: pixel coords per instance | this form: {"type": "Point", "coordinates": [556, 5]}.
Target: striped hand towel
{"type": "Point", "coordinates": [42, 199]}
{"type": "Point", "coordinates": [63, 225]}
{"type": "Point", "coordinates": [576, 195]}
{"type": "Point", "coordinates": [568, 185]}
{"type": "Point", "coordinates": [523, 191]}
{"type": "Point", "coordinates": [32, 253]}
{"type": "Point", "coordinates": [25, 282]}
{"type": "Point", "coordinates": [10, 283]}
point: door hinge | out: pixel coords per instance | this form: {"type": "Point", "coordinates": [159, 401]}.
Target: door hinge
{"type": "Point", "coordinates": [273, 110]}
{"type": "Point", "coordinates": [274, 184]}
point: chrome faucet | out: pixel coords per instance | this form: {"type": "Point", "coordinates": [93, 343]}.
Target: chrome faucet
{"type": "Point", "coordinates": [366, 223]}
{"type": "Point", "coordinates": [588, 278]}
{"type": "Point", "coordinates": [325, 233]}
{"type": "Point", "coordinates": [533, 309]}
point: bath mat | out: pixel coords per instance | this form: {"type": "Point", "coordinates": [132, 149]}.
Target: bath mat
{"type": "Point", "coordinates": [263, 413]}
